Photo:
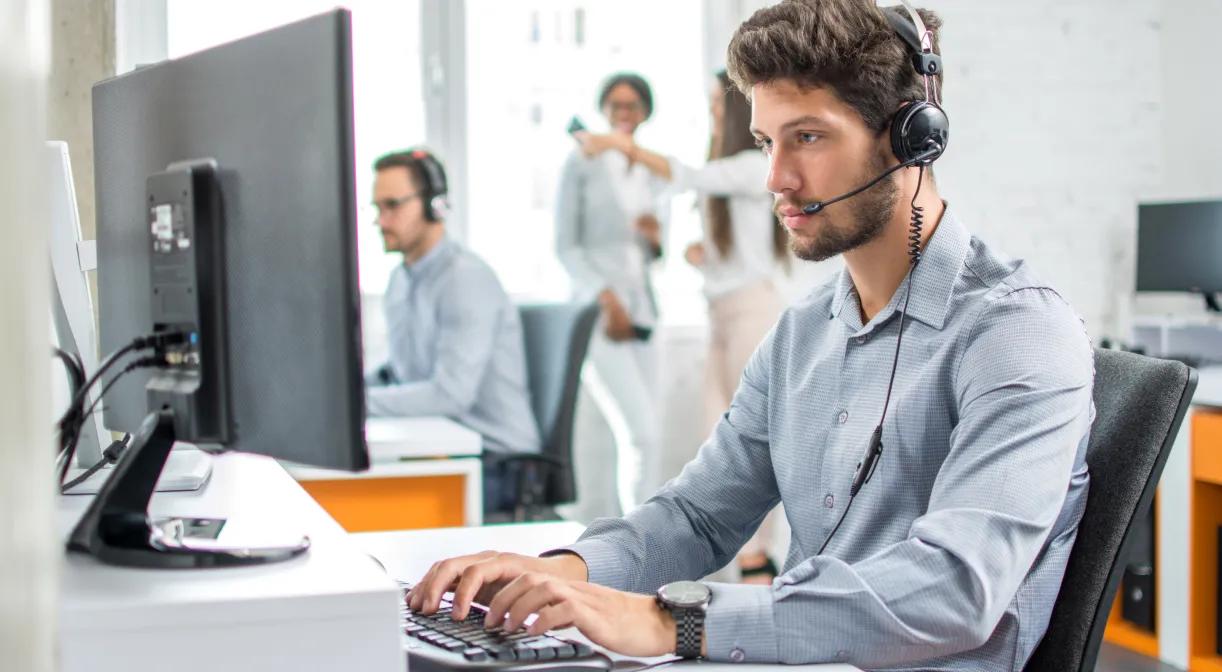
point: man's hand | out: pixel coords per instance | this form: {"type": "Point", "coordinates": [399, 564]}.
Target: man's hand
{"type": "Point", "coordinates": [618, 325]}
{"type": "Point", "coordinates": [479, 577]}
{"type": "Point", "coordinates": [629, 623]}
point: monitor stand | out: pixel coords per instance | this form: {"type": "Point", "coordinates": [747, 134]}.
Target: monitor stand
{"type": "Point", "coordinates": [186, 469]}
{"type": "Point", "coordinates": [117, 530]}
{"type": "Point", "coordinates": [1211, 302]}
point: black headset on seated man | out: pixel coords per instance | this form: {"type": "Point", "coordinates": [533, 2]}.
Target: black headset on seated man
{"type": "Point", "coordinates": [919, 132]}
{"type": "Point", "coordinates": [434, 187]}
{"type": "Point", "coordinates": [920, 129]}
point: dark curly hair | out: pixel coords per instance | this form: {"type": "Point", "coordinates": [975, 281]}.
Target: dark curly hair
{"type": "Point", "coordinates": [844, 45]}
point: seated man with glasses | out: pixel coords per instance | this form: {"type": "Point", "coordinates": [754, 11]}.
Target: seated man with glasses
{"type": "Point", "coordinates": [455, 339]}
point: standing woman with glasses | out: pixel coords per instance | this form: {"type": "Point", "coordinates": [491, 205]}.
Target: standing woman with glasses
{"type": "Point", "coordinates": [608, 234]}
{"type": "Point", "coordinates": [742, 253]}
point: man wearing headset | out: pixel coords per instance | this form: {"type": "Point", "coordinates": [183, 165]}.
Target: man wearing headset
{"type": "Point", "coordinates": [971, 486]}
{"type": "Point", "coordinates": [455, 338]}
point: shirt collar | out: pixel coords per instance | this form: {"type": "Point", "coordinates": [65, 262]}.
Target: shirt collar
{"type": "Point", "coordinates": [432, 261]}
{"type": "Point", "coordinates": [941, 262]}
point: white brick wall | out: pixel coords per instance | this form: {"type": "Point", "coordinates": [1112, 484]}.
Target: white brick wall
{"type": "Point", "coordinates": [1056, 128]}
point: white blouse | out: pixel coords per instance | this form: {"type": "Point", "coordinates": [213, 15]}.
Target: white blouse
{"type": "Point", "coordinates": [742, 179]}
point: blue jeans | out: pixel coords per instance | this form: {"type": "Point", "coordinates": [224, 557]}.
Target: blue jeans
{"type": "Point", "coordinates": [500, 485]}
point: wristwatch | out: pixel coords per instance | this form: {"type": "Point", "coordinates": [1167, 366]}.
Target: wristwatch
{"type": "Point", "coordinates": [686, 601]}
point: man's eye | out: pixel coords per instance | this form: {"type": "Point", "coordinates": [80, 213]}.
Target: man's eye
{"type": "Point", "coordinates": [764, 144]}
{"type": "Point", "coordinates": [807, 138]}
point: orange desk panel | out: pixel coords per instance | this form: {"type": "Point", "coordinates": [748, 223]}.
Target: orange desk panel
{"type": "Point", "coordinates": [392, 503]}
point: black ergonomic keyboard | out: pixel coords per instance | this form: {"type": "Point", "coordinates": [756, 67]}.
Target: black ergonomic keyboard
{"type": "Point", "coordinates": [437, 643]}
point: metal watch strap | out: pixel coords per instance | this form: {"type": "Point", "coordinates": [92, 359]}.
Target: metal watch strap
{"type": "Point", "coordinates": [689, 632]}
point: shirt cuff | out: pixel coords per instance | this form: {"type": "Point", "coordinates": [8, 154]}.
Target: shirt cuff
{"type": "Point", "coordinates": [739, 626]}
{"type": "Point", "coordinates": [604, 565]}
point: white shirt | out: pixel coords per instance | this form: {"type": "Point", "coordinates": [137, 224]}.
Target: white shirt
{"type": "Point", "coordinates": [741, 178]}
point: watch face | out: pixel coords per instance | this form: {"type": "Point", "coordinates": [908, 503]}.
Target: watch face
{"type": "Point", "coordinates": [685, 593]}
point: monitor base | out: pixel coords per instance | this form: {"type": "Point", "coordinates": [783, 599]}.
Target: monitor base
{"type": "Point", "coordinates": [1211, 302]}
{"type": "Point", "coordinates": [117, 530]}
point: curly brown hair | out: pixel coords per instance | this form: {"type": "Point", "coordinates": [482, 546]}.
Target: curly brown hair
{"type": "Point", "coordinates": [844, 45]}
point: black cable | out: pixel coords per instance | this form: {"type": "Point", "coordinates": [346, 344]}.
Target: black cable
{"type": "Point", "coordinates": [76, 380]}
{"type": "Point", "coordinates": [109, 456]}
{"type": "Point", "coordinates": [74, 418]}
{"type": "Point", "coordinates": [114, 451]}
{"type": "Point", "coordinates": [865, 468]}
{"type": "Point", "coordinates": [76, 369]}
{"type": "Point", "coordinates": [142, 363]}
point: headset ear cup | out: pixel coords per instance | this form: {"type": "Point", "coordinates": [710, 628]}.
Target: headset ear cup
{"type": "Point", "coordinates": [917, 127]}
{"type": "Point", "coordinates": [437, 208]}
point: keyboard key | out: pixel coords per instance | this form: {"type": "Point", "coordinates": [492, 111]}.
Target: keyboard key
{"type": "Point", "coordinates": [503, 653]}
{"type": "Point", "coordinates": [475, 654]}
{"type": "Point", "coordinates": [583, 650]}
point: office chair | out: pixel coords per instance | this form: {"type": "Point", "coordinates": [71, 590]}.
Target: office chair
{"type": "Point", "coordinates": [1139, 403]}
{"type": "Point", "coordinates": [556, 337]}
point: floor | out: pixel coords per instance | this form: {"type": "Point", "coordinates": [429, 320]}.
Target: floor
{"type": "Point", "coordinates": [1117, 659]}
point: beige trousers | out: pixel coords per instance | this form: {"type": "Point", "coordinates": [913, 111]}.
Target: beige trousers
{"type": "Point", "coordinates": [737, 323]}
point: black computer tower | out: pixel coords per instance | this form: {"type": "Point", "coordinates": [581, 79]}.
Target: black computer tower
{"type": "Point", "coordinates": [1137, 602]}
{"type": "Point", "coordinates": [1137, 606]}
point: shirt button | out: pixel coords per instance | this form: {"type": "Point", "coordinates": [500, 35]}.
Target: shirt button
{"type": "Point", "coordinates": [737, 655]}
{"type": "Point", "coordinates": [829, 501]}
{"type": "Point", "coordinates": [862, 339]}
{"type": "Point", "coordinates": [842, 655]}
{"type": "Point", "coordinates": [843, 417]}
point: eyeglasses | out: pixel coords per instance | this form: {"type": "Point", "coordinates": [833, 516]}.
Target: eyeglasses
{"type": "Point", "coordinates": [634, 106]}
{"type": "Point", "coordinates": [385, 205]}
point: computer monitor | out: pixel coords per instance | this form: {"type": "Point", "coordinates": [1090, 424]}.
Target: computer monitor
{"type": "Point", "coordinates": [1179, 248]}
{"type": "Point", "coordinates": [226, 224]}
{"type": "Point", "coordinates": [71, 304]}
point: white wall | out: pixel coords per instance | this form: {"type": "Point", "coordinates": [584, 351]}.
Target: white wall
{"type": "Point", "coordinates": [29, 550]}
{"type": "Point", "coordinates": [1192, 99]}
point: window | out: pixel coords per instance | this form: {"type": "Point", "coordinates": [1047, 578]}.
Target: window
{"type": "Point", "coordinates": [389, 112]}
{"type": "Point", "coordinates": [533, 65]}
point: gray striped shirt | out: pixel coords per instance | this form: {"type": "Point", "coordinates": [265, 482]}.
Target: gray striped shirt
{"type": "Point", "coordinates": [952, 556]}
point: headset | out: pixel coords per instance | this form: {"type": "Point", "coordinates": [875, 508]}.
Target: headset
{"type": "Point", "coordinates": [919, 132]}
{"type": "Point", "coordinates": [434, 189]}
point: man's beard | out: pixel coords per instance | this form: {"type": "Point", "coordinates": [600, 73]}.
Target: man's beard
{"type": "Point", "coordinates": [863, 218]}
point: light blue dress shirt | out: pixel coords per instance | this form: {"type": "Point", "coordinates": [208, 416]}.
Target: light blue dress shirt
{"type": "Point", "coordinates": [952, 556]}
{"type": "Point", "coordinates": [455, 350]}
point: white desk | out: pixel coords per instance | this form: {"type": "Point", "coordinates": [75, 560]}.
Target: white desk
{"type": "Point", "coordinates": [330, 609]}
{"type": "Point", "coordinates": [392, 439]}
{"type": "Point", "coordinates": [423, 471]}
{"type": "Point", "coordinates": [408, 555]}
